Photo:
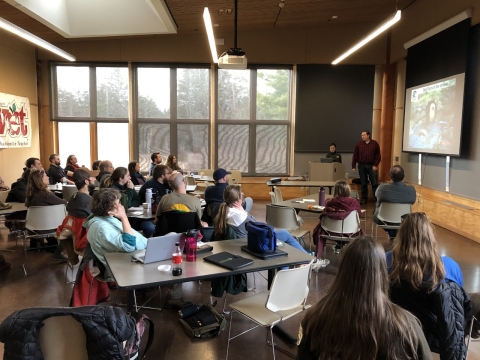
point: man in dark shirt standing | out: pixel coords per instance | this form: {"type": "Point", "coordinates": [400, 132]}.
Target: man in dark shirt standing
{"type": "Point", "coordinates": [367, 155]}
{"type": "Point", "coordinates": [56, 172]}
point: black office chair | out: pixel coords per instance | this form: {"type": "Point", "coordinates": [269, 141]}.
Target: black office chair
{"type": "Point", "coordinates": [177, 221]}
{"type": "Point", "coordinates": [210, 211]}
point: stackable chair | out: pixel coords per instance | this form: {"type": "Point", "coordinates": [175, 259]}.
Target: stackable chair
{"type": "Point", "coordinates": [41, 222]}
{"type": "Point", "coordinates": [68, 191]}
{"type": "Point", "coordinates": [390, 215]}
{"type": "Point", "coordinates": [235, 177]}
{"type": "Point", "coordinates": [346, 228]}
{"type": "Point", "coordinates": [273, 198]}
{"type": "Point", "coordinates": [284, 217]}
{"type": "Point", "coordinates": [286, 298]}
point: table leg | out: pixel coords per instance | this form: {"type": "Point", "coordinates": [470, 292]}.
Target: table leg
{"type": "Point", "coordinates": [130, 301]}
{"type": "Point", "coordinates": [271, 275]}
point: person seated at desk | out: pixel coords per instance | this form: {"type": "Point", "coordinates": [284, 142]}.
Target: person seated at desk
{"type": "Point", "coordinates": [120, 180]}
{"type": "Point", "coordinates": [135, 176]}
{"type": "Point", "coordinates": [56, 172]}
{"type": "Point", "coordinates": [337, 208]}
{"type": "Point", "coordinates": [72, 165]}
{"type": "Point", "coordinates": [109, 229]}
{"type": "Point", "coordinates": [106, 168]}
{"type": "Point", "coordinates": [38, 194]}
{"type": "Point", "coordinates": [356, 320]}
{"type": "Point", "coordinates": [156, 159]}
{"type": "Point", "coordinates": [172, 163]}
{"type": "Point", "coordinates": [19, 189]}
{"type": "Point", "coordinates": [336, 157]}
{"type": "Point", "coordinates": [231, 213]}
{"type": "Point", "coordinates": [158, 183]}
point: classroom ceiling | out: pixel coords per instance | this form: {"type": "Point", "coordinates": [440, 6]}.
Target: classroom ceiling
{"type": "Point", "coordinates": [252, 15]}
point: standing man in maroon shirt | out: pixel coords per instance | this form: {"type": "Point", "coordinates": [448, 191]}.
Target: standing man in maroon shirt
{"type": "Point", "coordinates": [367, 155]}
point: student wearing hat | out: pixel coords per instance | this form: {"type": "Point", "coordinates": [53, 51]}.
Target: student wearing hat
{"type": "Point", "coordinates": [215, 193]}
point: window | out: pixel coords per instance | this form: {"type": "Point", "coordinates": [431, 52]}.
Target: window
{"type": "Point", "coordinates": [87, 100]}
{"type": "Point", "coordinates": [173, 115]}
{"type": "Point", "coordinates": [253, 120]}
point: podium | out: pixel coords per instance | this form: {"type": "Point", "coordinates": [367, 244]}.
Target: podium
{"type": "Point", "coordinates": [325, 172]}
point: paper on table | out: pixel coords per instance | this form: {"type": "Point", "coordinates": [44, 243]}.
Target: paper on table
{"type": "Point", "coordinates": [138, 208]}
{"type": "Point", "coordinates": [136, 213]}
{"type": "Point", "coordinates": [308, 200]}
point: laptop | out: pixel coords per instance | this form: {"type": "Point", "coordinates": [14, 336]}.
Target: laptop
{"type": "Point", "coordinates": [191, 188]}
{"type": "Point", "coordinates": [159, 248]}
{"type": "Point", "coordinates": [228, 260]}
{"type": "Point", "coordinates": [265, 256]}
{"type": "Point", "coordinates": [326, 160]}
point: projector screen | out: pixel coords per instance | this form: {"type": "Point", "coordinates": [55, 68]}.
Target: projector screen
{"type": "Point", "coordinates": [433, 116]}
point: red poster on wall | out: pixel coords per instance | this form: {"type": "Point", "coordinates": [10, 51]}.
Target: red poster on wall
{"type": "Point", "coordinates": [15, 121]}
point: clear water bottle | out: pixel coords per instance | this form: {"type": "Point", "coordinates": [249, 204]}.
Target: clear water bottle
{"type": "Point", "coordinates": [321, 196]}
{"type": "Point", "coordinates": [177, 260]}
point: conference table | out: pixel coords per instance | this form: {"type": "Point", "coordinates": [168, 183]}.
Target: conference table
{"type": "Point", "coordinates": [300, 183]}
{"type": "Point", "coordinates": [132, 276]}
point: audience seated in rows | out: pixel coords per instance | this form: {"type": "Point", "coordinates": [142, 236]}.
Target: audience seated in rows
{"type": "Point", "coordinates": [395, 192]}
{"type": "Point", "coordinates": [106, 168]}
{"type": "Point", "coordinates": [430, 286]}
{"type": "Point", "coordinates": [135, 176]}
{"type": "Point", "coordinates": [56, 173]}
{"type": "Point", "coordinates": [120, 180]}
{"type": "Point", "coordinates": [109, 229]}
{"type": "Point", "coordinates": [38, 194]}
{"type": "Point", "coordinates": [156, 160]}
{"type": "Point", "coordinates": [158, 183]}
{"type": "Point", "coordinates": [78, 209]}
{"type": "Point", "coordinates": [172, 163]}
{"type": "Point", "coordinates": [19, 189]}
{"type": "Point", "coordinates": [356, 320]}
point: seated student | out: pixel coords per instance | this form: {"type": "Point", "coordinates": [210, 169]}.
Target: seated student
{"type": "Point", "coordinates": [96, 165]}
{"type": "Point", "coordinates": [120, 180]}
{"type": "Point", "coordinates": [338, 208]}
{"type": "Point", "coordinates": [56, 173]}
{"type": "Point", "coordinates": [78, 209]}
{"type": "Point", "coordinates": [355, 320]}
{"type": "Point", "coordinates": [135, 176]}
{"type": "Point", "coordinates": [156, 160]}
{"type": "Point", "coordinates": [336, 157]}
{"type": "Point", "coordinates": [71, 166]}
{"type": "Point", "coordinates": [38, 194]}
{"type": "Point", "coordinates": [109, 229]}
{"type": "Point", "coordinates": [428, 285]}
{"type": "Point", "coordinates": [106, 168]}
{"type": "Point", "coordinates": [158, 183]}
{"type": "Point", "coordinates": [19, 189]}
{"type": "Point", "coordinates": [172, 163]}
{"type": "Point", "coordinates": [231, 213]}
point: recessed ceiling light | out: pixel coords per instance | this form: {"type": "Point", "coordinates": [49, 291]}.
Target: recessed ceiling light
{"type": "Point", "coordinates": [215, 25]}
{"type": "Point", "coordinates": [334, 17]}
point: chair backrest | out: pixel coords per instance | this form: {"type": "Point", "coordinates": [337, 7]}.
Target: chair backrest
{"type": "Point", "coordinates": [354, 194]}
{"type": "Point", "coordinates": [62, 337]}
{"type": "Point", "coordinates": [235, 177]}
{"type": "Point", "coordinates": [273, 198]}
{"type": "Point", "coordinates": [289, 289]}
{"type": "Point", "coordinates": [45, 217]}
{"type": "Point", "coordinates": [3, 195]}
{"type": "Point", "coordinates": [229, 234]}
{"type": "Point", "coordinates": [349, 225]}
{"type": "Point", "coordinates": [392, 212]}
{"type": "Point", "coordinates": [177, 221]}
{"type": "Point", "coordinates": [190, 180]}
{"type": "Point", "coordinates": [278, 194]}
{"type": "Point", "coordinates": [206, 172]}
{"type": "Point", "coordinates": [282, 217]}
{"type": "Point", "coordinates": [68, 191]}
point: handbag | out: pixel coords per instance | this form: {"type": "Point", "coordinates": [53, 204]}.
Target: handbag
{"type": "Point", "coordinates": [261, 237]}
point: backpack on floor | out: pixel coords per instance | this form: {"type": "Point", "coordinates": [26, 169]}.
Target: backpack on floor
{"type": "Point", "coordinates": [132, 348]}
{"type": "Point", "coordinates": [203, 322]}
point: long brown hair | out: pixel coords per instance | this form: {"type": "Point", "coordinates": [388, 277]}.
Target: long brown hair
{"type": "Point", "coordinates": [341, 189]}
{"type": "Point", "coordinates": [415, 256]}
{"type": "Point", "coordinates": [231, 194]}
{"type": "Point", "coordinates": [170, 163]}
{"type": "Point", "coordinates": [356, 320]}
{"type": "Point", "coordinates": [117, 174]}
{"type": "Point", "coordinates": [34, 185]}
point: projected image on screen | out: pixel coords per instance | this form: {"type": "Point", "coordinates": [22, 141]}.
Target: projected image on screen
{"type": "Point", "coordinates": [433, 116]}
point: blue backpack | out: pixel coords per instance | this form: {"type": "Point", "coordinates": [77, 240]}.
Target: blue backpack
{"type": "Point", "coordinates": [261, 237]}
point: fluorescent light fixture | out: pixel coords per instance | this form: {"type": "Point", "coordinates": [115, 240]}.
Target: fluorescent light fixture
{"type": "Point", "coordinates": [439, 28]}
{"type": "Point", "coordinates": [394, 19]}
{"type": "Point", "coordinates": [211, 39]}
{"type": "Point", "coordinates": [14, 29]}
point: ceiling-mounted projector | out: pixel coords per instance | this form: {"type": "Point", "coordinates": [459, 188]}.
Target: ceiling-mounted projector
{"type": "Point", "coordinates": [233, 59]}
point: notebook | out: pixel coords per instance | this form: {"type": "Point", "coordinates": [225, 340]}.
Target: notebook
{"type": "Point", "coordinates": [159, 248]}
{"type": "Point", "coordinates": [228, 261]}
{"type": "Point", "coordinates": [265, 256]}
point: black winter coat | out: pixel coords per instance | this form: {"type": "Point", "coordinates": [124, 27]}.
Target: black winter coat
{"type": "Point", "coordinates": [18, 192]}
{"type": "Point", "coordinates": [106, 328]}
{"type": "Point", "coordinates": [444, 314]}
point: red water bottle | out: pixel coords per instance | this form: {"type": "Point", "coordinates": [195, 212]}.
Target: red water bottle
{"type": "Point", "coordinates": [191, 246]}
{"type": "Point", "coordinates": [177, 260]}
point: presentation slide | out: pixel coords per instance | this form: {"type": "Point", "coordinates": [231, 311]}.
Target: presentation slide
{"type": "Point", "coordinates": [433, 117]}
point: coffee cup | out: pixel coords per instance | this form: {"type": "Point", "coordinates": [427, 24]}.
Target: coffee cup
{"type": "Point", "coordinates": [146, 208]}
